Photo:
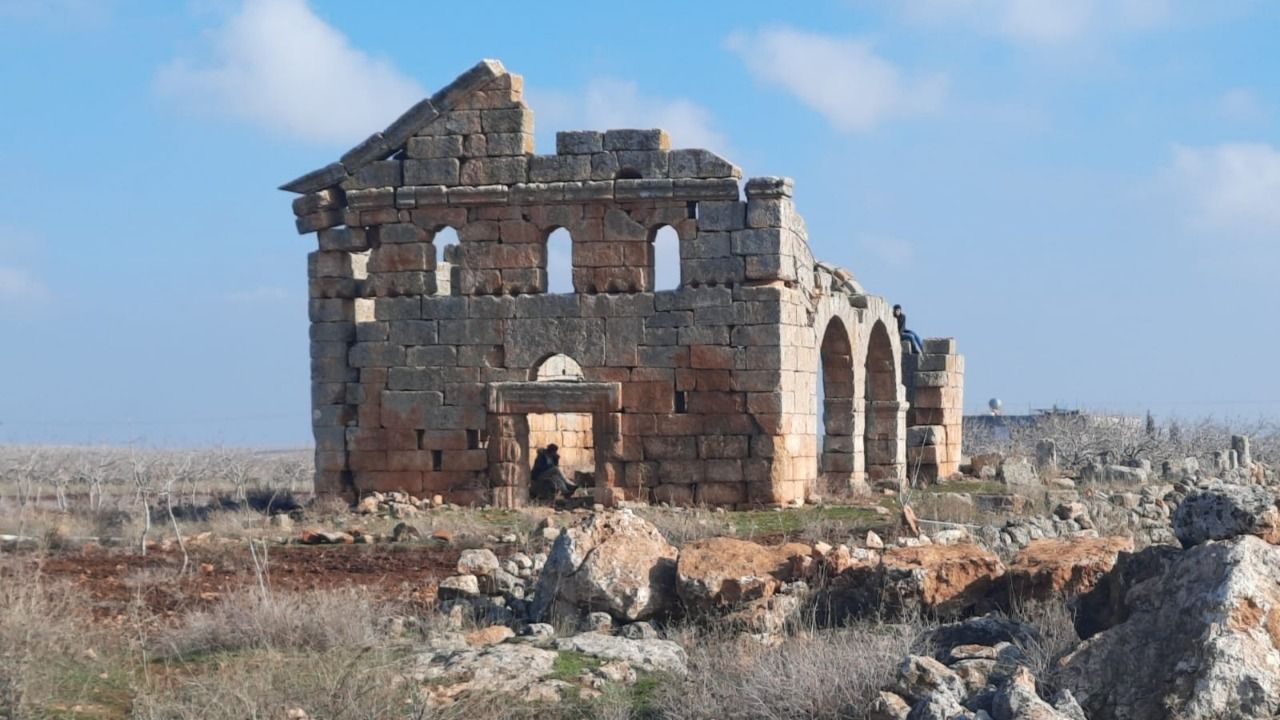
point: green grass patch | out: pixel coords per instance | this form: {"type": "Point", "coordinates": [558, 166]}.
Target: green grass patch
{"type": "Point", "coordinates": [570, 665]}
{"type": "Point", "coordinates": [973, 487]}
{"type": "Point", "coordinates": [792, 521]}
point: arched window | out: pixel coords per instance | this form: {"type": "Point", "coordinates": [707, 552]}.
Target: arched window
{"type": "Point", "coordinates": [666, 259]}
{"type": "Point", "coordinates": [572, 433]}
{"type": "Point", "coordinates": [446, 242]}
{"type": "Point", "coordinates": [559, 367]}
{"type": "Point", "coordinates": [559, 262]}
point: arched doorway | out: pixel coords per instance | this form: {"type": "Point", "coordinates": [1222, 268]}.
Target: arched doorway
{"type": "Point", "coordinates": [571, 432]}
{"type": "Point", "coordinates": [836, 450]}
{"type": "Point", "coordinates": [883, 440]}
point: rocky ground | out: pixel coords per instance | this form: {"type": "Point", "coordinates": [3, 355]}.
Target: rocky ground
{"type": "Point", "coordinates": [1014, 592]}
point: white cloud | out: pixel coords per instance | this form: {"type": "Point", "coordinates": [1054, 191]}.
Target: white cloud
{"type": "Point", "coordinates": [276, 64]}
{"type": "Point", "coordinates": [1041, 22]}
{"type": "Point", "coordinates": [842, 78]}
{"type": "Point", "coordinates": [608, 103]}
{"type": "Point", "coordinates": [1230, 190]}
{"type": "Point", "coordinates": [18, 286]}
{"type": "Point", "coordinates": [1240, 105]}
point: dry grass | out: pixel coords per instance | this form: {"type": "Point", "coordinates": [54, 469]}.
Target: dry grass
{"type": "Point", "coordinates": [1056, 624]}
{"type": "Point", "coordinates": [812, 674]}
{"type": "Point", "coordinates": [47, 648]}
{"type": "Point", "coordinates": [317, 621]}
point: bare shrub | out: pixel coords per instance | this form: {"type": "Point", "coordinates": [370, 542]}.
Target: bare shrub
{"type": "Point", "coordinates": [320, 620]}
{"type": "Point", "coordinates": [1056, 624]}
{"type": "Point", "coordinates": [44, 635]}
{"type": "Point", "coordinates": [815, 674]}
{"type": "Point", "coordinates": [1092, 437]}
{"type": "Point", "coordinates": [338, 684]}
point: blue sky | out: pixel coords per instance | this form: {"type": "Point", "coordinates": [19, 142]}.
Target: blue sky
{"type": "Point", "coordinates": [1085, 192]}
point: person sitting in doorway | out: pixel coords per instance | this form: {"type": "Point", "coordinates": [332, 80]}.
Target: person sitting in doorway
{"type": "Point", "coordinates": [548, 480]}
{"type": "Point", "coordinates": [917, 347]}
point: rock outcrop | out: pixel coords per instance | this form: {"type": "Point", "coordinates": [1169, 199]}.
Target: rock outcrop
{"type": "Point", "coordinates": [1201, 641]}
{"type": "Point", "coordinates": [937, 580]}
{"type": "Point", "coordinates": [1223, 510]}
{"type": "Point", "coordinates": [1054, 568]}
{"type": "Point", "coordinates": [612, 562]}
{"type": "Point", "coordinates": [721, 572]}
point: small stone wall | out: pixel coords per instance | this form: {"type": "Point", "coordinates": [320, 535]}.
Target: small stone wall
{"type": "Point", "coordinates": [935, 389]}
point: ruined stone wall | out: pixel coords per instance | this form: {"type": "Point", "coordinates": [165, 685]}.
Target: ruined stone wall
{"type": "Point", "coordinates": [701, 394]}
{"type": "Point", "coordinates": [935, 388]}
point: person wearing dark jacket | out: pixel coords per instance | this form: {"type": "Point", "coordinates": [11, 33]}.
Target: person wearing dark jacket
{"type": "Point", "coordinates": [548, 479]}
{"type": "Point", "coordinates": [917, 347]}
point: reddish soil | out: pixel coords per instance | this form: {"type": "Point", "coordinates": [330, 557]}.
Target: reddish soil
{"type": "Point", "coordinates": [114, 579]}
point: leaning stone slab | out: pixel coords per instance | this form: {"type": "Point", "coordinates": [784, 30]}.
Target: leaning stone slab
{"type": "Point", "coordinates": [327, 176]}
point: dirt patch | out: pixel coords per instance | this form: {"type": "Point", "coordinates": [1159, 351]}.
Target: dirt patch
{"type": "Point", "coordinates": [114, 580]}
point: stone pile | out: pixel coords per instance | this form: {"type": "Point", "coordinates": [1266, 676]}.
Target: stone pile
{"type": "Point", "coordinates": [979, 670]}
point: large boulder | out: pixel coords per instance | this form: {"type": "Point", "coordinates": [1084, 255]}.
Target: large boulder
{"type": "Point", "coordinates": [651, 655]}
{"type": "Point", "coordinates": [612, 562]}
{"type": "Point", "coordinates": [935, 580]}
{"type": "Point", "coordinates": [1063, 567]}
{"type": "Point", "coordinates": [519, 670]}
{"type": "Point", "coordinates": [722, 572]}
{"type": "Point", "coordinates": [1201, 641]}
{"type": "Point", "coordinates": [1223, 511]}
{"type": "Point", "coordinates": [1105, 606]}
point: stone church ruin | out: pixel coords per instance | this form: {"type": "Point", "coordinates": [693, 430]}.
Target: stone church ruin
{"type": "Point", "coordinates": [441, 370]}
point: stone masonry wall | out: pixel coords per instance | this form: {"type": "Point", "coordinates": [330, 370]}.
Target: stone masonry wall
{"type": "Point", "coordinates": [935, 387]}
{"type": "Point", "coordinates": [702, 394]}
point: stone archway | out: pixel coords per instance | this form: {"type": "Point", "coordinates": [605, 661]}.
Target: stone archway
{"type": "Point", "coordinates": [837, 452]}
{"type": "Point", "coordinates": [884, 440]}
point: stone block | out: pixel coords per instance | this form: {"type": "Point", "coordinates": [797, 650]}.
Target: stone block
{"type": "Point", "coordinates": [478, 195]}
{"type": "Point", "coordinates": [494, 171]}
{"type": "Point", "coordinates": [399, 284]}
{"type": "Point", "coordinates": [559, 168]}
{"type": "Point", "coordinates": [579, 142]}
{"type": "Point", "coordinates": [770, 187]}
{"type": "Point", "coordinates": [376, 174]}
{"type": "Point", "coordinates": [642, 189]}
{"type": "Point", "coordinates": [721, 216]}
{"type": "Point", "coordinates": [516, 120]}
{"type": "Point", "coordinates": [438, 146]}
{"type": "Point", "coordinates": [327, 176]}
{"type": "Point", "coordinates": [636, 140]}
{"type": "Point", "coordinates": [940, 346]}
{"type": "Point", "coordinates": [431, 171]}
{"type": "Point", "coordinates": [402, 257]}
{"type": "Point", "coordinates": [413, 332]}
{"type": "Point", "coordinates": [397, 308]}
{"type": "Point", "coordinates": [409, 409]}
{"type": "Point", "coordinates": [342, 238]}
{"type": "Point", "coordinates": [316, 221]}
{"type": "Point", "coordinates": [457, 122]}
{"type": "Point", "coordinates": [371, 199]}
{"type": "Point", "coordinates": [321, 311]}
{"type": "Point", "coordinates": [704, 189]}
{"type": "Point", "coordinates": [642, 163]}
{"type": "Point", "coordinates": [502, 144]}
{"type": "Point", "coordinates": [696, 163]}
{"type": "Point", "coordinates": [327, 199]}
